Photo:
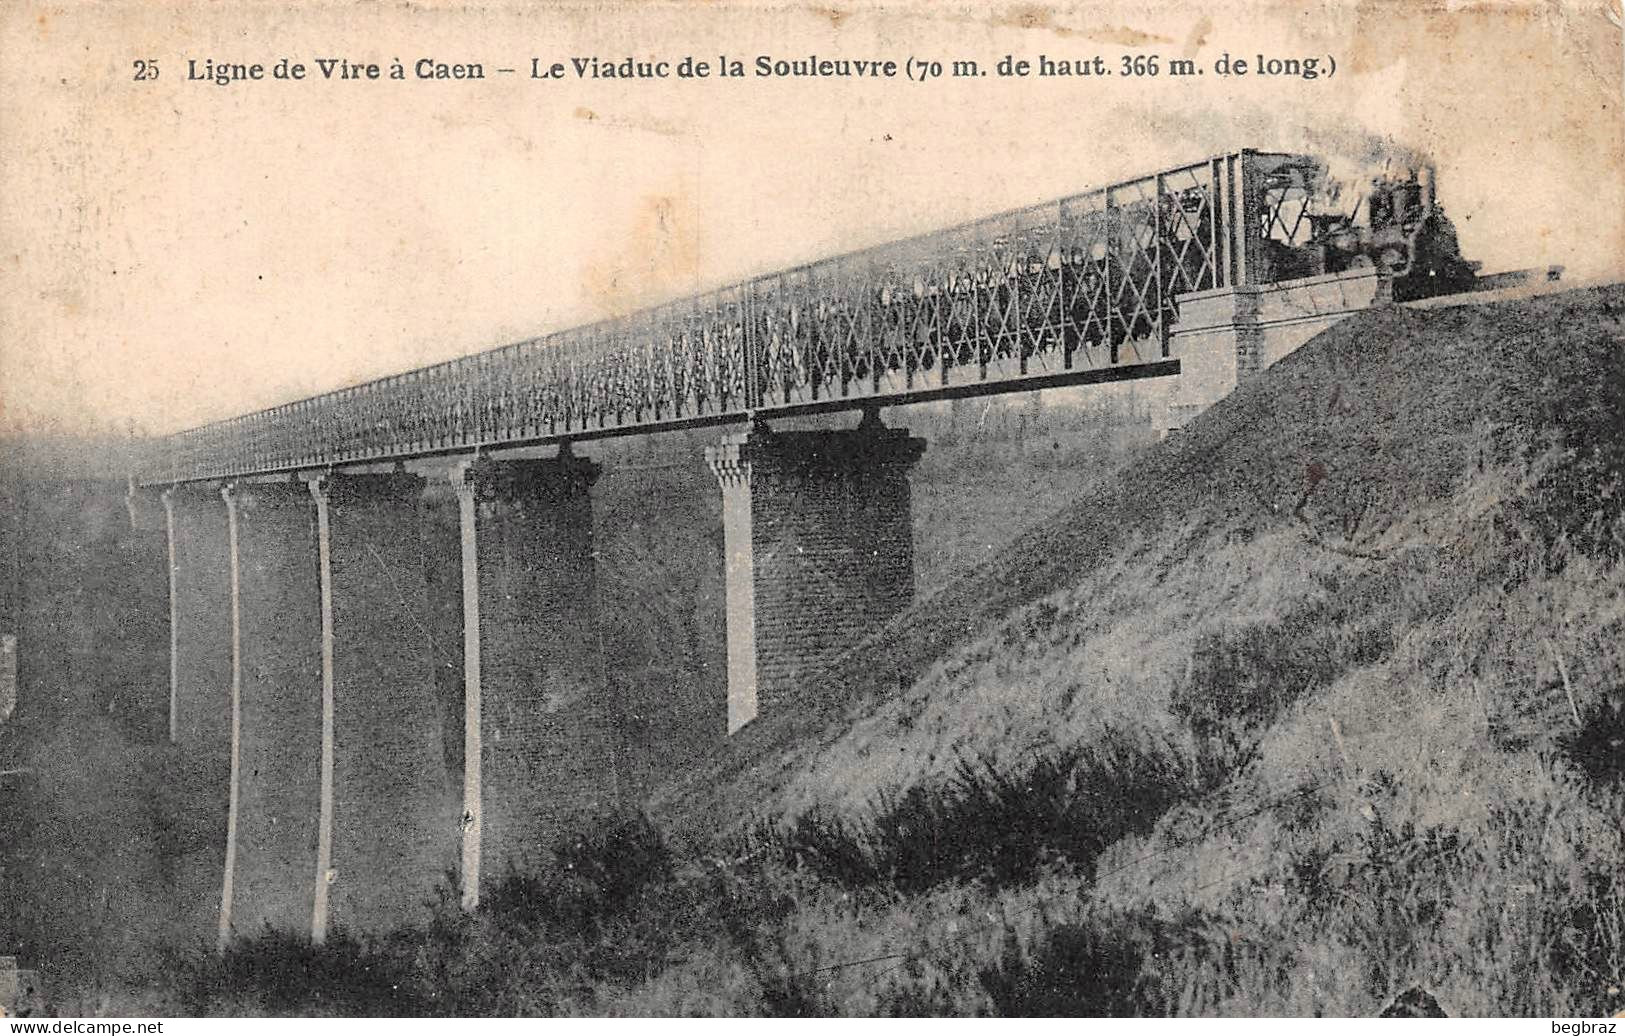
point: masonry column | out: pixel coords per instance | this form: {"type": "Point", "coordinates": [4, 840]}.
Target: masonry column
{"type": "Point", "coordinates": [200, 666]}
{"type": "Point", "coordinates": [200, 618]}
{"type": "Point", "coordinates": [818, 531]}
{"type": "Point", "coordinates": [541, 754]}
{"type": "Point", "coordinates": [278, 687]}
{"type": "Point", "coordinates": [227, 883]}
{"type": "Point", "coordinates": [1227, 336]}
{"type": "Point", "coordinates": [393, 814]}
{"type": "Point", "coordinates": [472, 823]}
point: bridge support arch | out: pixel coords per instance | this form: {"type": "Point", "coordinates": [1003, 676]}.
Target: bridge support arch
{"type": "Point", "coordinates": [819, 543]}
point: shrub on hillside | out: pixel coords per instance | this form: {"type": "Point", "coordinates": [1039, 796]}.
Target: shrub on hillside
{"type": "Point", "coordinates": [597, 873]}
{"type": "Point", "coordinates": [1240, 679]}
{"type": "Point", "coordinates": [997, 826]}
{"type": "Point", "coordinates": [1597, 746]}
{"type": "Point", "coordinates": [1093, 970]}
{"type": "Point", "coordinates": [605, 894]}
{"type": "Point", "coordinates": [281, 973]}
{"type": "Point", "coordinates": [1578, 499]}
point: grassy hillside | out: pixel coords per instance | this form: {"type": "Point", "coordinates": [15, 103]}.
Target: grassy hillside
{"type": "Point", "coordinates": [1316, 703]}
{"type": "Point", "coordinates": [1321, 700]}
{"type": "Point", "coordinates": [1405, 453]}
{"type": "Point", "coordinates": [1336, 676]}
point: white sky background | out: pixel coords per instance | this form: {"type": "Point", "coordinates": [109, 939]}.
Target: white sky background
{"type": "Point", "coordinates": [176, 252]}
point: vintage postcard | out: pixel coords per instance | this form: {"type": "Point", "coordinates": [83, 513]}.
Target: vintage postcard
{"type": "Point", "coordinates": [734, 508]}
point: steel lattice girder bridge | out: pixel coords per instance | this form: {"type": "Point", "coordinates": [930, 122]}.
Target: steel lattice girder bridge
{"type": "Point", "coordinates": [1073, 291]}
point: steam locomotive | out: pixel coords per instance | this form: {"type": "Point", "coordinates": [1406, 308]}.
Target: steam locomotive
{"type": "Point", "coordinates": [1402, 230]}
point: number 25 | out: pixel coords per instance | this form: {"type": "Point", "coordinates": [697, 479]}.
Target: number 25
{"type": "Point", "coordinates": [145, 71]}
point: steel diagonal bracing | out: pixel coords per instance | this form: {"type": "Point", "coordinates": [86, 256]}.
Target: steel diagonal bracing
{"type": "Point", "coordinates": [1077, 290]}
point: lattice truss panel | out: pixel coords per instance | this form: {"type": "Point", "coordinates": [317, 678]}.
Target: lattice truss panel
{"type": "Point", "coordinates": [1078, 284]}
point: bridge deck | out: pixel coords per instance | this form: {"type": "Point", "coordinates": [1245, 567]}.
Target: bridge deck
{"type": "Point", "coordinates": [1073, 291]}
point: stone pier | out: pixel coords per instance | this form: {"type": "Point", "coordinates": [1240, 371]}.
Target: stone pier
{"type": "Point", "coordinates": [540, 739]}
{"type": "Point", "coordinates": [200, 619]}
{"type": "Point", "coordinates": [818, 532]}
{"type": "Point", "coordinates": [278, 722]}
{"type": "Point", "coordinates": [387, 814]}
{"type": "Point", "coordinates": [199, 719]}
{"type": "Point", "coordinates": [304, 642]}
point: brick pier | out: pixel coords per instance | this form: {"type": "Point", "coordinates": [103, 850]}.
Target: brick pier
{"type": "Point", "coordinates": [540, 738]}
{"type": "Point", "coordinates": [392, 808]}
{"type": "Point", "coordinates": [200, 665]}
{"type": "Point", "coordinates": [278, 724]}
{"type": "Point", "coordinates": [818, 532]}
{"type": "Point", "coordinates": [200, 618]}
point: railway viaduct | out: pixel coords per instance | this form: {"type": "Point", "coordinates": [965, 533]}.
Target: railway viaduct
{"type": "Point", "coordinates": [300, 592]}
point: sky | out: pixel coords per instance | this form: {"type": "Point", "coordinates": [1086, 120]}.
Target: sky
{"type": "Point", "coordinates": [175, 251]}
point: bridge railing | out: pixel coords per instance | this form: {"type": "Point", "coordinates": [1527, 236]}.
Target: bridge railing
{"type": "Point", "coordinates": [1080, 284]}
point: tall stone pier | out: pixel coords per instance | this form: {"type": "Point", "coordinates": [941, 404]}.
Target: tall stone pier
{"type": "Point", "coordinates": [388, 815]}
{"type": "Point", "coordinates": [199, 618]}
{"type": "Point", "coordinates": [818, 532]}
{"type": "Point", "coordinates": [340, 811]}
{"type": "Point", "coordinates": [303, 642]}
{"type": "Point", "coordinates": [278, 680]}
{"type": "Point", "coordinates": [200, 668]}
{"type": "Point", "coordinates": [540, 737]}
